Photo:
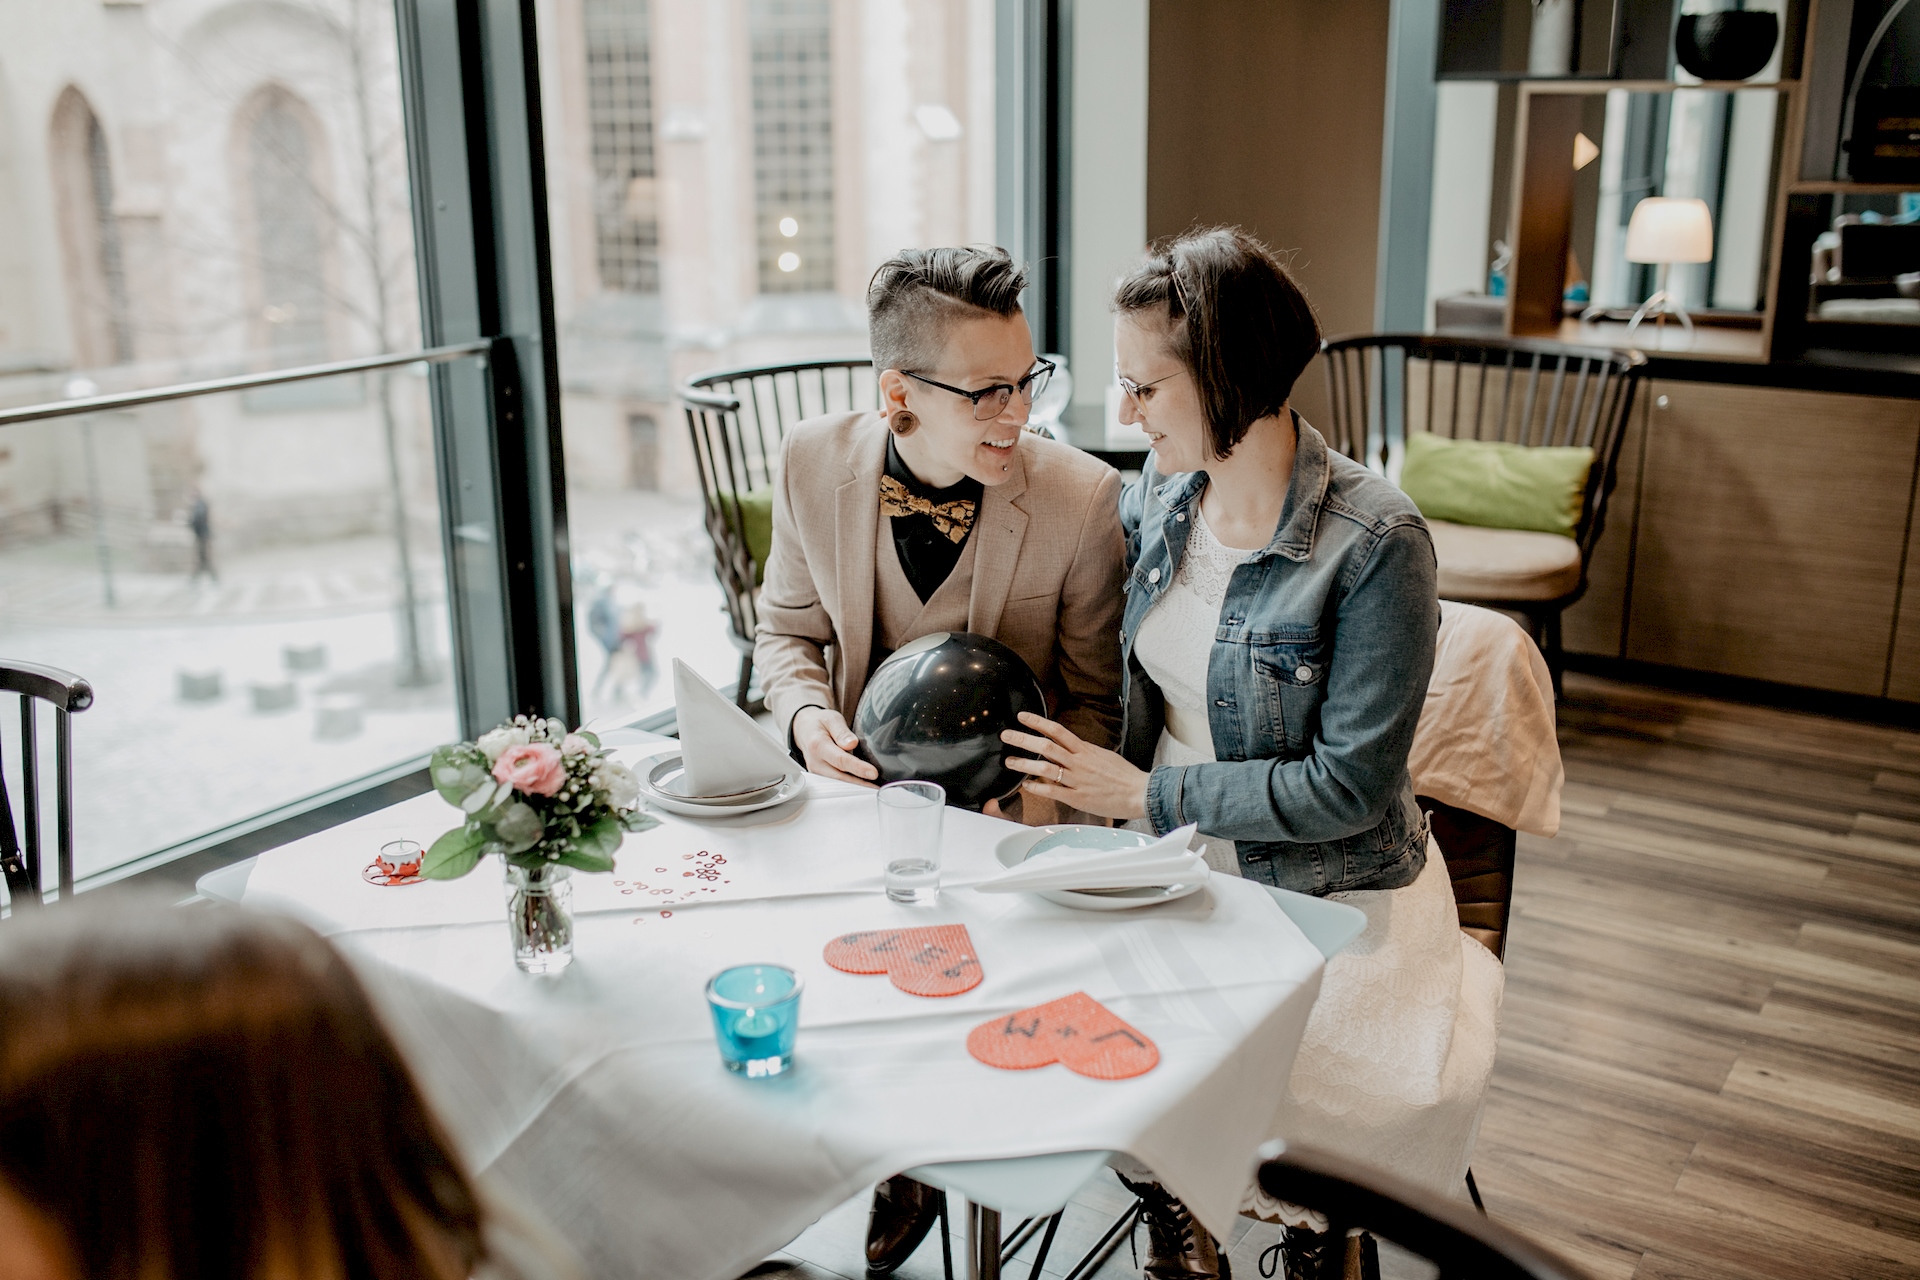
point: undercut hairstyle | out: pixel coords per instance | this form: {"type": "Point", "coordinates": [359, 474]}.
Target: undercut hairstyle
{"type": "Point", "coordinates": [1235, 318]}
{"type": "Point", "coordinates": [917, 295]}
{"type": "Point", "coordinates": [207, 1094]}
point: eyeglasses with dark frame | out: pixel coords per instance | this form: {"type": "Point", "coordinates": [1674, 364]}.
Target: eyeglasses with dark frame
{"type": "Point", "coordinates": [990, 402]}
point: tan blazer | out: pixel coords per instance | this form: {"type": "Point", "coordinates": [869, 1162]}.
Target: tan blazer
{"type": "Point", "coordinates": [1048, 564]}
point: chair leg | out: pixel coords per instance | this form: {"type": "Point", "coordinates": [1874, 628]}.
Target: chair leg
{"type": "Point", "coordinates": [1110, 1240]}
{"type": "Point", "coordinates": [740, 692]}
{"type": "Point", "coordinates": [946, 1240]}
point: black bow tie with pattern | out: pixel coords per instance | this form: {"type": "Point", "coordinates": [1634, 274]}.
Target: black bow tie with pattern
{"type": "Point", "coordinates": [952, 519]}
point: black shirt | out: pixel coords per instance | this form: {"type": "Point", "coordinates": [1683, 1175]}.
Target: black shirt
{"type": "Point", "coordinates": [927, 555]}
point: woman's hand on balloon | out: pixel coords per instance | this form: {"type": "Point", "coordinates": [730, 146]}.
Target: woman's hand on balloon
{"type": "Point", "coordinates": [827, 743]}
{"type": "Point", "coordinates": [1075, 772]}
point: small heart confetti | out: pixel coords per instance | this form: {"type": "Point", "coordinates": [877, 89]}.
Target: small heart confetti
{"type": "Point", "coordinates": [1076, 1031]}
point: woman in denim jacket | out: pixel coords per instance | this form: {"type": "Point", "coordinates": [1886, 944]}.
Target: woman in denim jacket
{"type": "Point", "coordinates": [1278, 637]}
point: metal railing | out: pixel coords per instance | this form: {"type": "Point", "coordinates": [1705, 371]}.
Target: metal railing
{"type": "Point", "coordinates": [240, 382]}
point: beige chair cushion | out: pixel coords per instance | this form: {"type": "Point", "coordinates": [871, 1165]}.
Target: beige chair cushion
{"type": "Point", "coordinates": [1503, 564]}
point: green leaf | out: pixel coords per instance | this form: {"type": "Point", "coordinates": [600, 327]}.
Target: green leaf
{"type": "Point", "coordinates": [593, 738]}
{"type": "Point", "coordinates": [454, 854]}
{"type": "Point", "coordinates": [455, 771]}
{"type": "Point", "coordinates": [518, 827]}
{"type": "Point", "coordinates": [603, 837]}
{"type": "Point", "coordinates": [636, 819]}
{"type": "Point", "coordinates": [583, 860]}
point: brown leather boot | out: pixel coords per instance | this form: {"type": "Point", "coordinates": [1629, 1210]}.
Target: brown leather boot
{"type": "Point", "coordinates": [903, 1212]}
{"type": "Point", "coordinates": [1178, 1247]}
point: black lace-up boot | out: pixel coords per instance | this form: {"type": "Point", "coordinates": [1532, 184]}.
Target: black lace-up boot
{"type": "Point", "coordinates": [1178, 1247]}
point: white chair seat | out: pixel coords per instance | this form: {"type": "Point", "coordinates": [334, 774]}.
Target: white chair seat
{"type": "Point", "coordinates": [1503, 564]}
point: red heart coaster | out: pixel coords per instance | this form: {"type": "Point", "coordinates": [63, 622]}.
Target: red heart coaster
{"type": "Point", "coordinates": [936, 961]}
{"type": "Point", "coordinates": [1077, 1031]}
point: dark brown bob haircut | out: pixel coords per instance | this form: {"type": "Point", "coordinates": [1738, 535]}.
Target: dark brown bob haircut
{"type": "Point", "coordinates": [1237, 321]}
{"type": "Point", "coordinates": [207, 1094]}
{"type": "Point", "coordinates": [916, 296]}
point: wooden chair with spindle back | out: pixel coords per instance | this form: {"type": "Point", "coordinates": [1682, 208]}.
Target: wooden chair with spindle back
{"type": "Point", "coordinates": [1509, 390]}
{"type": "Point", "coordinates": [21, 863]}
{"type": "Point", "coordinates": [738, 419]}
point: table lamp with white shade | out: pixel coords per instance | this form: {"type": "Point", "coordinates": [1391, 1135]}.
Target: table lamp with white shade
{"type": "Point", "coordinates": [1666, 230]}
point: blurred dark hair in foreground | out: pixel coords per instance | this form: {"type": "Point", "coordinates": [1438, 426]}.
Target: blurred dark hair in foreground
{"type": "Point", "coordinates": [207, 1094]}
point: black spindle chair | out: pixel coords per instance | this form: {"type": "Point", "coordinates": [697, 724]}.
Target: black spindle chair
{"type": "Point", "coordinates": [20, 861]}
{"type": "Point", "coordinates": [738, 418]}
{"type": "Point", "coordinates": [1460, 1243]}
{"type": "Point", "coordinates": [1383, 386]}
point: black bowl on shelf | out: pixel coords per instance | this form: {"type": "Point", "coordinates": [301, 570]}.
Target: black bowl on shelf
{"type": "Point", "coordinates": [1729, 45]}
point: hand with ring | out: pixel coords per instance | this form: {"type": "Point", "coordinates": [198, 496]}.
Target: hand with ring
{"type": "Point", "coordinates": [1075, 772]}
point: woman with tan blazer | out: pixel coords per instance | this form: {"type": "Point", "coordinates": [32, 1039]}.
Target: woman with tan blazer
{"type": "Point", "coordinates": [939, 512]}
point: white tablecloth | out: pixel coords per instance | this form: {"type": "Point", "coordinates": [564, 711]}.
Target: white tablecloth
{"type": "Point", "coordinates": [599, 1096]}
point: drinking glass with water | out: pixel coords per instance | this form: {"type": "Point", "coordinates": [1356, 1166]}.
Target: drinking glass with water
{"type": "Point", "coordinates": [910, 838]}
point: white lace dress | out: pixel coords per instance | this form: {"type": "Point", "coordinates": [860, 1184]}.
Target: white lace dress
{"type": "Point", "coordinates": [1394, 1064]}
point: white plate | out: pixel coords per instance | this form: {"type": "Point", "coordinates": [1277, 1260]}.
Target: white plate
{"type": "Point", "coordinates": [793, 785]}
{"type": "Point", "coordinates": [668, 778]}
{"type": "Point", "coordinates": [1013, 849]}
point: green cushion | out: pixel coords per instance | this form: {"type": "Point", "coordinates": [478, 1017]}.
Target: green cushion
{"type": "Point", "coordinates": [1498, 486]}
{"type": "Point", "coordinates": [756, 519]}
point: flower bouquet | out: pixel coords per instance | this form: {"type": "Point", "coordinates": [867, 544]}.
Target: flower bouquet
{"type": "Point", "coordinates": [548, 802]}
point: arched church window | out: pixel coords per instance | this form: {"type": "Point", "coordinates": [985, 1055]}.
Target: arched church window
{"type": "Point", "coordinates": [90, 234]}
{"type": "Point", "coordinates": [289, 221]}
{"type": "Point", "coordinates": [620, 112]}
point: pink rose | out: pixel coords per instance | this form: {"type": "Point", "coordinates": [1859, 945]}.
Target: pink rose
{"type": "Point", "coordinates": [534, 768]}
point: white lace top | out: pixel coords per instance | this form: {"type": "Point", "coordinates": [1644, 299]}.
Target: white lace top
{"type": "Point", "coordinates": [1175, 645]}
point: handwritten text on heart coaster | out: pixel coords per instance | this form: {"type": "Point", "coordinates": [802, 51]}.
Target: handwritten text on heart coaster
{"type": "Point", "coordinates": [1077, 1031]}
{"type": "Point", "coordinates": [936, 961]}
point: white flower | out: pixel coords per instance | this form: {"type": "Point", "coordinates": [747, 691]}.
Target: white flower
{"type": "Point", "coordinates": [493, 742]}
{"type": "Point", "coordinates": [574, 745]}
{"type": "Point", "coordinates": [622, 788]}
{"type": "Point", "coordinates": [556, 730]}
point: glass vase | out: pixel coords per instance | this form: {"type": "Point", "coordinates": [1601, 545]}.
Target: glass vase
{"type": "Point", "coordinates": [540, 917]}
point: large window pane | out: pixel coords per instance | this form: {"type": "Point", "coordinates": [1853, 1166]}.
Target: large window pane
{"type": "Point", "coordinates": [251, 581]}
{"type": "Point", "coordinates": [722, 180]}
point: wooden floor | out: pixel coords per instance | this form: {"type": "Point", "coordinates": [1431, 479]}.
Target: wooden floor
{"type": "Point", "coordinates": [1710, 1048]}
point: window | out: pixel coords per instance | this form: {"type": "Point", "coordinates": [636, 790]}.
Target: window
{"type": "Point", "coordinates": [792, 143]}
{"type": "Point", "coordinates": [279, 607]}
{"type": "Point", "coordinates": [620, 107]}
{"type": "Point", "coordinates": [259, 599]}
{"type": "Point", "coordinates": [96, 278]}
{"type": "Point", "coordinates": [288, 226]}
{"type": "Point", "coordinates": [833, 131]}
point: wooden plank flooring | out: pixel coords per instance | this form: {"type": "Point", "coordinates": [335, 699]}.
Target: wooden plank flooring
{"type": "Point", "coordinates": [1710, 1048]}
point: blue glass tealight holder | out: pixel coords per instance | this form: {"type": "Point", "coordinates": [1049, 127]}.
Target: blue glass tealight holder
{"type": "Point", "coordinates": [756, 1012]}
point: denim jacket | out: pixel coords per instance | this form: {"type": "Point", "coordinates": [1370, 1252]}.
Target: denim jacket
{"type": "Point", "coordinates": [1316, 680]}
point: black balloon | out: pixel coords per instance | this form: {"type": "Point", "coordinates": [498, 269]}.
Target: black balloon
{"type": "Point", "coordinates": [933, 711]}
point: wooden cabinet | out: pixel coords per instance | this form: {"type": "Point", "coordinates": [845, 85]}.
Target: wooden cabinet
{"type": "Point", "coordinates": [1772, 533]}
{"type": "Point", "coordinates": [1903, 668]}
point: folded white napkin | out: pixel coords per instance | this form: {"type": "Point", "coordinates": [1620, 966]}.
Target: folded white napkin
{"type": "Point", "coordinates": [1165, 861]}
{"type": "Point", "coordinates": [721, 748]}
